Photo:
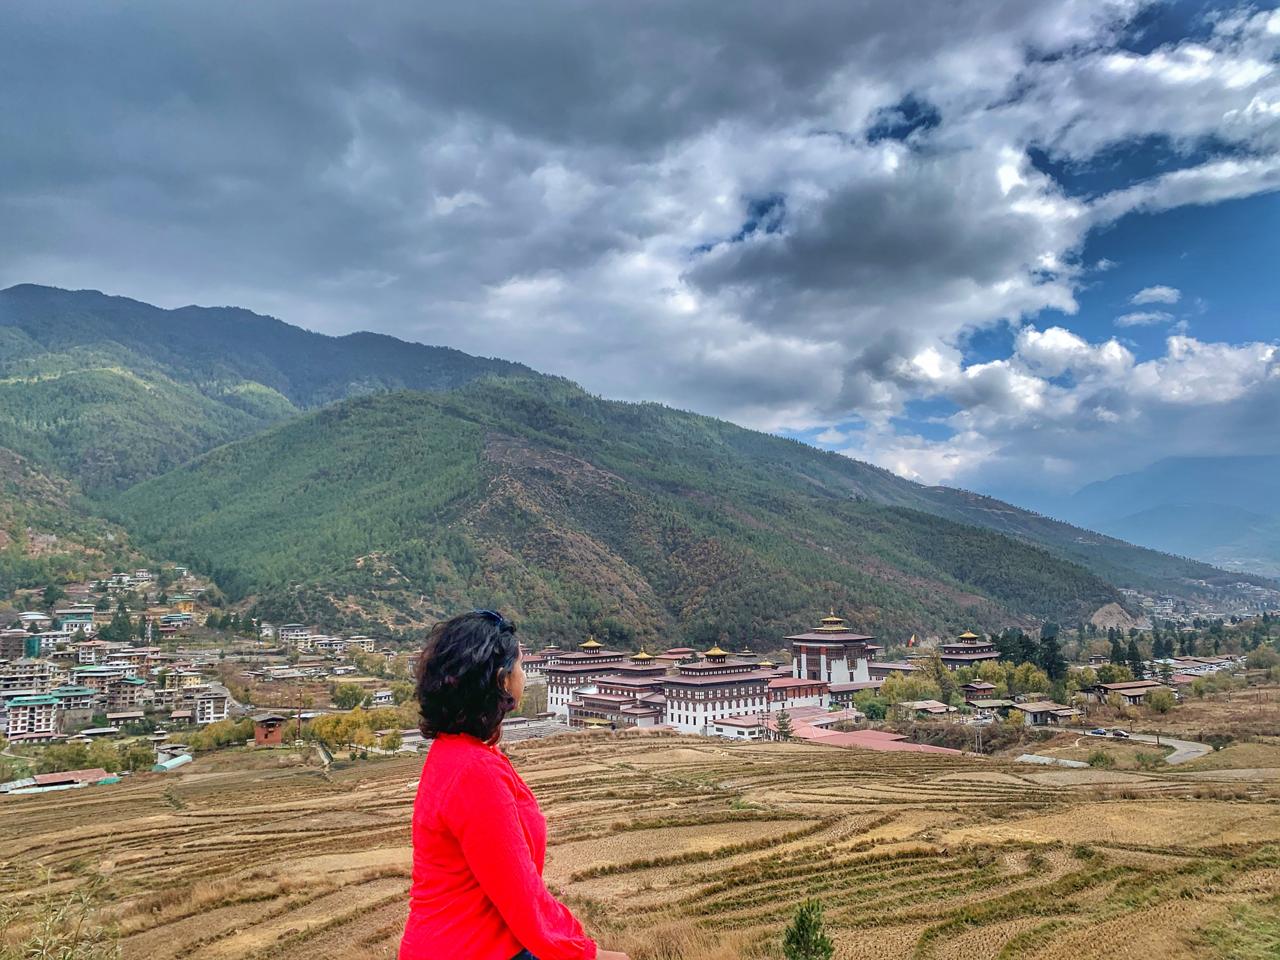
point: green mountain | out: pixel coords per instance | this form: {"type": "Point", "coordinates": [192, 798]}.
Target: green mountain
{"type": "Point", "coordinates": [443, 481]}
{"type": "Point", "coordinates": [634, 521]}
{"type": "Point", "coordinates": [48, 534]}
{"type": "Point", "coordinates": [110, 391]}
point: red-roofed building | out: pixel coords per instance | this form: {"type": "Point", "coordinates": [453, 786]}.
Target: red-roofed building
{"type": "Point", "coordinates": [791, 692]}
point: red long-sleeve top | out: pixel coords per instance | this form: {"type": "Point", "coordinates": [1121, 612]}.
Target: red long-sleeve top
{"type": "Point", "coordinates": [479, 842]}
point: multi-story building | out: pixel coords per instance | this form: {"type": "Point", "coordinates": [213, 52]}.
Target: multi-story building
{"type": "Point", "coordinates": [28, 675]}
{"type": "Point", "coordinates": [98, 678]}
{"type": "Point", "coordinates": [362, 643]}
{"type": "Point", "coordinates": [579, 672]}
{"type": "Point", "coordinates": [210, 706]}
{"type": "Point", "coordinates": [788, 693]}
{"type": "Point", "coordinates": [832, 652]}
{"type": "Point", "coordinates": [75, 697]}
{"type": "Point", "coordinates": [16, 644]}
{"type": "Point", "coordinates": [713, 689]}
{"type": "Point", "coordinates": [34, 717]}
{"type": "Point", "coordinates": [296, 634]}
{"type": "Point", "coordinates": [967, 650]}
{"type": "Point", "coordinates": [127, 693]}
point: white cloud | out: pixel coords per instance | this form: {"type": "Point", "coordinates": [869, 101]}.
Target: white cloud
{"type": "Point", "coordinates": [1143, 318]}
{"type": "Point", "coordinates": [1156, 294]}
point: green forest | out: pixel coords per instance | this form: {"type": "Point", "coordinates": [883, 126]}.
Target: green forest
{"type": "Point", "coordinates": [362, 480]}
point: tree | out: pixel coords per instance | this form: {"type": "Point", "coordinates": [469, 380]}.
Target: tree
{"type": "Point", "coordinates": [1051, 660]}
{"type": "Point", "coordinates": [51, 595]}
{"type": "Point", "coordinates": [1117, 652]}
{"type": "Point", "coordinates": [1161, 701]}
{"type": "Point", "coordinates": [347, 696]}
{"type": "Point", "coordinates": [1134, 659]}
{"type": "Point", "coordinates": [391, 740]}
{"type": "Point", "coordinates": [784, 725]}
{"type": "Point", "coordinates": [805, 939]}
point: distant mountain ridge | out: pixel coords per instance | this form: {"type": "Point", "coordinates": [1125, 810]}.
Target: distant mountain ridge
{"type": "Point", "coordinates": [114, 390]}
{"type": "Point", "coordinates": [370, 479]}
{"type": "Point", "coordinates": [1223, 510]}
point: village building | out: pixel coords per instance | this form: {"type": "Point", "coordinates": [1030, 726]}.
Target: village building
{"type": "Point", "coordinates": [831, 652]}
{"type": "Point", "coordinates": [268, 729]}
{"type": "Point", "coordinates": [978, 690]}
{"type": "Point", "coordinates": [926, 708]}
{"type": "Point", "coordinates": [1131, 692]}
{"type": "Point", "coordinates": [1045, 713]}
{"type": "Point", "coordinates": [967, 650]}
{"type": "Point", "coordinates": [382, 698]}
{"type": "Point", "coordinates": [362, 643]}
{"type": "Point", "coordinates": [842, 694]}
{"type": "Point", "coordinates": [294, 633]}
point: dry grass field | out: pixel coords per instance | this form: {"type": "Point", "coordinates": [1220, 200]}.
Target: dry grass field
{"type": "Point", "coordinates": [687, 848]}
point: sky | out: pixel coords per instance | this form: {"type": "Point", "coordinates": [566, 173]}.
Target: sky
{"type": "Point", "coordinates": [1009, 246]}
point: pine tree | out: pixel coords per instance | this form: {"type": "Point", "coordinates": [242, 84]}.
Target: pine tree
{"type": "Point", "coordinates": [1050, 659]}
{"type": "Point", "coordinates": [784, 725]}
{"type": "Point", "coordinates": [1117, 652]}
{"type": "Point", "coordinates": [804, 939]}
{"type": "Point", "coordinates": [1135, 660]}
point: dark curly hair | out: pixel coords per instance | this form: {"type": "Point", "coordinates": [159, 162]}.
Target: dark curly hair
{"type": "Point", "coordinates": [461, 672]}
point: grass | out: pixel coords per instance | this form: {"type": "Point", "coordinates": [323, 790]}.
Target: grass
{"type": "Point", "coordinates": [1249, 932]}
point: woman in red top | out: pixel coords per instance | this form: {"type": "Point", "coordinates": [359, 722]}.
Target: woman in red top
{"type": "Point", "coordinates": [479, 839]}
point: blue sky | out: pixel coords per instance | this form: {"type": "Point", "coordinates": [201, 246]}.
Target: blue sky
{"type": "Point", "coordinates": [1012, 246]}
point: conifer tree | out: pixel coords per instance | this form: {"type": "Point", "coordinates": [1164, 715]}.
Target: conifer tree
{"type": "Point", "coordinates": [784, 725]}
{"type": "Point", "coordinates": [805, 939]}
{"type": "Point", "coordinates": [1135, 660]}
{"type": "Point", "coordinates": [1117, 653]}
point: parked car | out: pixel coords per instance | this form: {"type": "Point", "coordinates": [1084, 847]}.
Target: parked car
{"type": "Point", "coordinates": [1120, 733]}
{"type": "Point", "coordinates": [1098, 732]}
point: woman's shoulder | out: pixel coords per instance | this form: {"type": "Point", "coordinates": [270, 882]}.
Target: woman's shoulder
{"type": "Point", "coordinates": [457, 758]}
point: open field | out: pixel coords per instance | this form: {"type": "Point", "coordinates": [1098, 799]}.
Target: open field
{"type": "Point", "coordinates": [689, 848]}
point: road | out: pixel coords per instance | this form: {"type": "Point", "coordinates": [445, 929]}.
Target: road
{"type": "Point", "coordinates": [1183, 750]}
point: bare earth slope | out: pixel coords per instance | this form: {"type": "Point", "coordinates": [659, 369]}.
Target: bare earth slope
{"type": "Point", "coordinates": [677, 847]}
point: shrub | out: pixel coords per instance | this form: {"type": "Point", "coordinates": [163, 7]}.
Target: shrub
{"type": "Point", "coordinates": [805, 939]}
{"type": "Point", "coordinates": [1102, 760]}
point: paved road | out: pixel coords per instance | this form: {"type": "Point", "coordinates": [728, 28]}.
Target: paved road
{"type": "Point", "coordinates": [1183, 750]}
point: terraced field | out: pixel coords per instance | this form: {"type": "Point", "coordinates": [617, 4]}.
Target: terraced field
{"type": "Point", "coordinates": [679, 847]}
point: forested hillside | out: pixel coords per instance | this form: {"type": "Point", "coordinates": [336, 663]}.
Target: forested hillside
{"type": "Point", "coordinates": [501, 486]}
{"type": "Point", "coordinates": [577, 514]}
{"type": "Point", "coordinates": [47, 534]}
{"type": "Point", "coordinates": [110, 391]}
